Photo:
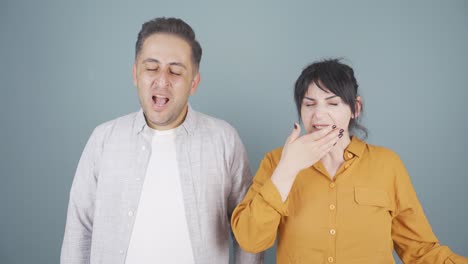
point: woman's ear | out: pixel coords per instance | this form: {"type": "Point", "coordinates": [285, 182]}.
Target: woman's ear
{"type": "Point", "coordinates": [357, 107]}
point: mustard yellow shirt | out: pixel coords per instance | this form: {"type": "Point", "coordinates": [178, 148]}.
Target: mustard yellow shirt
{"type": "Point", "coordinates": [369, 208]}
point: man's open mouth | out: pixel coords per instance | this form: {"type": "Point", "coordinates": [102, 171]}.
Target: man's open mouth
{"type": "Point", "coordinates": [160, 100]}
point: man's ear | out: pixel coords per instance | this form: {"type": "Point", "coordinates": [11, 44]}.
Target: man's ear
{"type": "Point", "coordinates": [134, 74]}
{"type": "Point", "coordinates": [195, 82]}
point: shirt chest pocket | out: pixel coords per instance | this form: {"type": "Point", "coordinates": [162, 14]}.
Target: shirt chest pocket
{"type": "Point", "coordinates": [371, 197]}
{"type": "Point", "coordinates": [372, 203]}
{"type": "Point", "coordinates": [373, 219]}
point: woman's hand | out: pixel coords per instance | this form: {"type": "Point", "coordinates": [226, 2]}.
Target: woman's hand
{"type": "Point", "coordinates": [300, 152]}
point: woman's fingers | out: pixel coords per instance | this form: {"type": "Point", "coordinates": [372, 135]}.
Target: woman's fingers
{"type": "Point", "coordinates": [294, 134]}
{"type": "Point", "coordinates": [329, 132]}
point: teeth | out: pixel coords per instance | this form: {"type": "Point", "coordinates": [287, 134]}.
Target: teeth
{"type": "Point", "coordinates": [319, 126]}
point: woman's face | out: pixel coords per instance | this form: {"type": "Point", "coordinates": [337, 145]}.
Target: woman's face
{"type": "Point", "coordinates": [321, 109]}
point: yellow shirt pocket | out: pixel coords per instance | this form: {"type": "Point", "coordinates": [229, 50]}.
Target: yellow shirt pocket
{"type": "Point", "coordinates": [372, 197]}
{"type": "Point", "coordinates": [371, 222]}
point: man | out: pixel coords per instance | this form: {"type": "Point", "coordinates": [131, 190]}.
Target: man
{"type": "Point", "coordinates": [159, 185]}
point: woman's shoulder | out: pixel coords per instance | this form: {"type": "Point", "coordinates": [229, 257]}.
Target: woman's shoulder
{"type": "Point", "coordinates": [276, 152]}
{"type": "Point", "coordinates": [382, 152]}
{"type": "Point", "coordinates": [274, 155]}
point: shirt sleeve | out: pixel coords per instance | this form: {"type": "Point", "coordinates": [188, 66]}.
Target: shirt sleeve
{"type": "Point", "coordinates": [412, 234]}
{"type": "Point", "coordinates": [256, 219]}
{"type": "Point", "coordinates": [76, 246]}
{"type": "Point", "coordinates": [241, 178]}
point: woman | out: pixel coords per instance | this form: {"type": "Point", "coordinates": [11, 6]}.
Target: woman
{"type": "Point", "coordinates": [332, 198]}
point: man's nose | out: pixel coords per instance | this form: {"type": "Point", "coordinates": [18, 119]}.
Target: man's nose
{"type": "Point", "coordinates": [162, 79]}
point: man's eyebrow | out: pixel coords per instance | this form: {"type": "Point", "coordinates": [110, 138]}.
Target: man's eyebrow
{"type": "Point", "coordinates": [150, 60]}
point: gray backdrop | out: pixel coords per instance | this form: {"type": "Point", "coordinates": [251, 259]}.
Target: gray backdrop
{"type": "Point", "coordinates": [66, 67]}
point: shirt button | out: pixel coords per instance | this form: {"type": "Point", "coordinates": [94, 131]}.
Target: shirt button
{"type": "Point", "coordinates": [138, 179]}
{"type": "Point", "coordinates": [121, 251]}
{"type": "Point", "coordinates": [350, 155]}
{"type": "Point", "coordinates": [346, 166]}
{"type": "Point", "coordinates": [332, 207]}
{"type": "Point", "coordinates": [143, 148]}
{"type": "Point", "coordinates": [332, 185]}
{"type": "Point", "coordinates": [332, 232]}
{"type": "Point", "coordinates": [130, 213]}
{"type": "Point", "coordinates": [330, 259]}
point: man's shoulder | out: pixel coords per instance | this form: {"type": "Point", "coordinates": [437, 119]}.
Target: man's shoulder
{"type": "Point", "coordinates": [122, 124]}
{"type": "Point", "coordinates": [214, 125]}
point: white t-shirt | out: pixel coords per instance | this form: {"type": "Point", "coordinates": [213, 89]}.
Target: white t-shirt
{"type": "Point", "coordinates": [160, 233]}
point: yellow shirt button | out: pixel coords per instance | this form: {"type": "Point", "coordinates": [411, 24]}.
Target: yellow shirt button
{"type": "Point", "coordinates": [332, 207]}
{"type": "Point", "coordinates": [332, 185]}
{"type": "Point", "coordinates": [330, 259]}
{"type": "Point", "coordinates": [346, 166]}
{"type": "Point", "coordinates": [350, 155]}
{"type": "Point", "coordinates": [332, 232]}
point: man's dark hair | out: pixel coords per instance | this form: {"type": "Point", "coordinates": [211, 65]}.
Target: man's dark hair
{"type": "Point", "coordinates": [336, 77]}
{"type": "Point", "coordinates": [174, 26]}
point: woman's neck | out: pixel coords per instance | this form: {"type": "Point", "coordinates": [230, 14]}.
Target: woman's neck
{"type": "Point", "coordinates": [333, 159]}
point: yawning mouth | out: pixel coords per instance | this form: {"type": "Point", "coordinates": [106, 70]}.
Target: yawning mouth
{"type": "Point", "coordinates": [160, 100]}
{"type": "Point", "coordinates": [319, 126]}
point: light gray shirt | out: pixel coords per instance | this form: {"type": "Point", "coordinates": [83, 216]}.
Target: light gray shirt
{"type": "Point", "coordinates": [104, 196]}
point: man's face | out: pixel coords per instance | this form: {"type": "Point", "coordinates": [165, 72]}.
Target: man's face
{"type": "Point", "coordinates": [165, 77]}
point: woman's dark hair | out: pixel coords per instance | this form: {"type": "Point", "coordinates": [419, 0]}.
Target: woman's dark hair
{"type": "Point", "coordinates": [336, 77]}
{"type": "Point", "coordinates": [174, 26]}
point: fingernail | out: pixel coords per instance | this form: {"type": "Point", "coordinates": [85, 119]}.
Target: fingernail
{"type": "Point", "coordinates": [295, 126]}
{"type": "Point", "coordinates": [341, 130]}
{"type": "Point", "coordinates": [340, 135]}
{"type": "Point", "coordinates": [333, 126]}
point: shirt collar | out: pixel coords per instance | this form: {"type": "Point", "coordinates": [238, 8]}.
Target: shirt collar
{"type": "Point", "coordinates": [140, 122]}
{"type": "Point", "coordinates": [186, 127]}
{"type": "Point", "coordinates": [355, 147]}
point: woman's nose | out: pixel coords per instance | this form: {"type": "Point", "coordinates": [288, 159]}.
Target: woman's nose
{"type": "Point", "coordinates": [319, 111]}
